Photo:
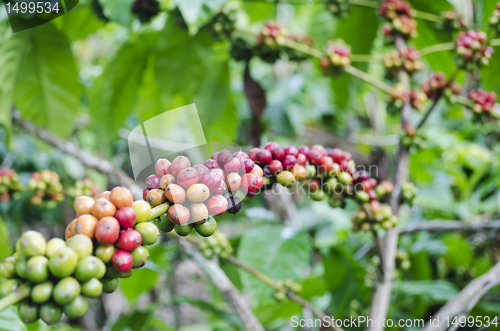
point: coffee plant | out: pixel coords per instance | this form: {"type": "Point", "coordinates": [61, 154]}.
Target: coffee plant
{"type": "Point", "coordinates": [366, 183]}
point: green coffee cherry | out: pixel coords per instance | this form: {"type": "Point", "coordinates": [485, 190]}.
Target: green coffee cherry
{"type": "Point", "coordinates": [286, 178]}
{"type": "Point", "coordinates": [28, 312]}
{"type": "Point", "coordinates": [50, 313]}
{"type": "Point", "coordinates": [317, 195]}
{"type": "Point", "coordinates": [81, 244]}
{"type": "Point", "coordinates": [53, 245]}
{"type": "Point", "coordinates": [148, 231]}
{"type": "Point", "coordinates": [140, 255]}
{"type": "Point", "coordinates": [37, 269]}
{"type": "Point", "coordinates": [87, 268]}
{"type": "Point", "coordinates": [22, 267]}
{"type": "Point", "coordinates": [19, 249]}
{"type": "Point", "coordinates": [109, 285]}
{"type": "Point", "coordinates": [311, 171]}
{"type": "Point", "coordinates": [330, 185]}
{"type": "Point", "coordinates": [345, 178]}
{"type": "Point", "coordinates": [33, 244]}
{"type": "Point", "coordinates": [42, 292]}
{"type": "Point", "coordinates": [9, 286]}
{"type": "Point", "coordinates": [8, 267]}
{"type": "Point", "coordinates": [102, 269]}
{"type": "Point", "coordinates": [208, 228]}
{"type": "Point", "coordinates": [66, 290]}
{"type": "Point", "coordinates": [362, 196]}
{"type": "Point", "coordinates": [164, 226]}
{"type": "Point", "coordinates": [76, 309]}
{"type": "Point", "coordinates": [63, 263]}
{"type": "Point", "coordinates": [183, 230]}
{"type": "Point", "coordinates": [105, 253]}
{"type": "Point", "coordinates": [92, 288]}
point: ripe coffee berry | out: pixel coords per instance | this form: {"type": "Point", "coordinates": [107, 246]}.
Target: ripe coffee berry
{"type": "Point", "coordinates": [247, 166]}
{"type": "Point", "coordinates": [107, 230]}
{"type": "Point", "coordinates": [200, 168]}
{"type": "Point", "coordinates": [253, 153]}
{"type": "Point", "coordinates": [198, 212]}
{"type": "Point", "coordinates": [83, 205]}
{"type": "Point", "coordinates": [156, 197]}
{"type": "Point", "coordinates": [122, 197]}
{"type": "Point", "coordinates": [187, 177]}
{"type": "Point", "coordinates": [211, 164]}
{"type": "Point", "coordinates": [179, 163]}
{"type": "Point", "coordinates": [129, 240]}
{"type": "Point", "coordinates": [178, 214]}
{"type": "Point", "coordinates": [216, 205]}
{"type": "Point", "coordinates": [224, 156]}
{"type": "Point", "coordinates": [249, 183]}
{"type": "Point", "coordinates": [103, 208]}
{"type": "Point", "coordinates": [211, 179]}
{"type": "Point", "coordinates": [167, 180]}
{"type": "Point", "coordinates": [232, 165]}
{"type": "Point", "coordinates": [303, 149]}
{"type": "Point", "coordinates": [275, 166]}
{"type": "Point", "coordinates": [302, 159]}
{"type": "Point", "coordinates": [257, 171]}
{"type": "Point", "coordinates": [289, 162]}
{"type": "Point", "coordinates": [233, 182]}
{"type": "Point", "coordinates": [126, 217]}
{"type": "Point", "coordinates": [278, 152]}
{"type": "Point", "coordinates": [122, 260]}
{"type": "Point", "coordinates": [153, 181]}
{"type": "Point", "coordinates": [162, 167]}
{"type": "Point", "coordinates": [315, 157]}
{"type": "Point", "coordinates": [264, 156]}
{"type": "Point", "coordinates": [175, 193]}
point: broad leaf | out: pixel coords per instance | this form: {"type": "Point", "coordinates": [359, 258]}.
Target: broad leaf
{"type": "Point", "coordinates": [437, 290]}
{"type": "Point", "coordinates": [119, 11]}
{"type": "Point", "coordinates": [10, 321]}
{"type": "Point", "coordinates": [196, 13]}
{"type": "Point", "coordinates": [279, 252]}
{"type": "Point", "coordinates": [80, 22]}
{"type": "Point", "coordinates": [142, 281]}
{"type": "Point", "coordinates": [47, 89]}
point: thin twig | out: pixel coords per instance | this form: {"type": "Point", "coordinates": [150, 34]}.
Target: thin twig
{"type": "Point", "coordinates": [473, 292]}
{"type": "Point", "coordinates": [437, 48]}
{"type": "Point", "coordinates": [87, 159]}
{"type": "Point", "coordinates": [368, 78]}
{"type": "Point", "coordinates": [224, 285]}
{"type": "Point", "coordinates": [365, 58]}
{"type": "Point", "coordinates": [427, 16]}
{"type": "Point", "coordinates": [429, 111]}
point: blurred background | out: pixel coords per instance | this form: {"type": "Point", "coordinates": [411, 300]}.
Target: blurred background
{"type": "Point", "coordinates": [94, 74]}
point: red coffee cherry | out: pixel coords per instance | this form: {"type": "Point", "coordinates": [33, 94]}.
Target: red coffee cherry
{"type": "Point", "coordinates": [126, 217]}
{"type": "Point", "coordinates": [221, 189]}
{"type": "Point", "coordinates": [249, 182]}
{"type": "Point", "coordinates": [233, 182]}
{"type": "Point", "coordinates": [271, 145]}
{"type": "Point", "coordinates": [223, 156]}
{"type": "Point", "coordinates": [211, 164]}
{"type": "Point", "coordinates": [167, 180]}
{"type": "Point", "coordinates": [145, 194]}
{"type": "Point", "coordinates": [211, 179]}
{"type": "Point", "coordinates": [103, 208]}
{"type": "Point", "coordinates": [264, 156]}
{"type": "Point", "coordinates": [162, 167]}
{"type": "Point", "coordinates": [122, 197]}
{"type": "Point", "coordinates": [289, 161]}
{"type": "Point", "coordinates": [216, 205]}
{"type": "Point", "coordinates": [178, 214]}
{"type": "Point", "coordinates": [278, 153]}
{"type": "Point", "coordinates": [315, 156]}
{"type": "Point", "coordinates": [200, 168]}
{"type": "Point", "coordinates": [275, 166]}
{"type": "Point", "coordinates": [214, 156]}
{"type": "Point", "coordinates": [302, 159]}
{"type": "Point", "coordinates": [187, 177]}
{"type": "Point", "coordinates": [253, 153]}
{"type": "Point", "coordinates": [129, 240]}
{"type": "Point", "coordinates": [179, 163]}
{"type": "Point", "coordinates": [291, 150]}
{"type": "Point", "coordinates": [304, 149]}
{"type": "Point", "coordinates": [232, 165]}
{"type": "Point", "coordinates": [122, 260]}
{"type": "Point", "coordinates": [153, 181]}
{"type": "Point", "coordinates": [247, 166]}
{"type": "Point", "coordinates": [107, 231]}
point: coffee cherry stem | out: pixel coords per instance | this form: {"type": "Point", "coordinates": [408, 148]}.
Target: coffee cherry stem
{"type": "Point", "coordinates": [159, 210]}
{"type": "Point", "coordinates": [15, 297]}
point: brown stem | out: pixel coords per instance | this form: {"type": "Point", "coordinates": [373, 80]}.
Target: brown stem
{"type": "Point", "coordinates": [422, 121]}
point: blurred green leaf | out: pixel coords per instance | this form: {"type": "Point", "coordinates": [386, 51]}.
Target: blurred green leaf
{"type": "Point", "coordinates": [119, 11]}
{"type": "Point", "coordinates": [136, 321]}
{"type": "Point", "coordinates": [459, 253]}
{"type": "Point", "coordinates": [279, 252]}
{"type": "Point", "coordinates": [141, 282]}
{"type": "Point", "coordinates": [259, 11]}
{"type": "Point", "coordinates": [5, 249]}
{"type": "Point", "coordinates": [436, 290]}
{"type": "Point", "coordinates": [47, 91]}
{"type": "Point", "coordinates": [10, 321]}
{"type": "Point", "coordinates": [196, 13]}
{"type": "Point", "coordinates": [80, 22]}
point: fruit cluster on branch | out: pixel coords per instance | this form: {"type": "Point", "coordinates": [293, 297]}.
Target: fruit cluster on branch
{"type": "Point", "coordinates": [472, 49]}
{"type": "Point", "coordinates": [216, 245]}
{"type": "Point", "coordinates": [83, 187]}
{"type": "Point", "coordinates": [104, 243]}
{"type": "Point", "coordinates": [452, 21]}
{"type": "Point", "coordinates": [339, 8]}
{"type": "Point", "coordinates": [482, 102]}
{"type": "Point", "coordinates": [494, 20]}
{"type": "Point", "coordinates": [338, 56]}
{"type": "Point", "coordinates": [9, 184]}
{"type": "Point", "coordinates": [46, 189]}
{"type": "Point", "coordinates": [400, 19]}
{"type": "Point", "coordinates": [222, 25]}
{"type": "Point", "coordinates": [439, 85]}
{"type": "Point", "coordinates": [407, 58]}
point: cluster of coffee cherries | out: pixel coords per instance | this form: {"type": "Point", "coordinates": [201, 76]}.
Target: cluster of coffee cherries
{"type": "Point", "coordinates": [452, 21]}
{"type": "Point", "coordinates": [406, 58]}
{"type": "Point", "coordinates": [9, 185]}
{"type": "Point", "coordinates": [481, 101]}
{"type": "Point", "coordinates": [223, 24]}
{"type": "Point", "coordinates": [83, 187]}
{"type": "Point", "coordinates": [338, 56]}
{"type": "Point", "coordinates": [494, 20]}
{"type": "Point", "coordinates": [439, 85]}
{"type": "Point", "coordinates": [270, 42]}
{"type": "Point", "coordinates": [410, 137]}
{"type": "Point", "coordinates": [216, 245]}
{"type": "Point", "coordinates": [409, 192]}
{"type": "Point", "coordinates": [120, 228]}
{"type": "Point", "coordinates": [198, 192]}
{"type": "Point", "coordinates": [400, 17]}
{"type": "Point", "coordinates": [287, 285]}
{"type": "Point", "coordinates": [397, 98]}
{"type": "Point", "coordinates": [146, 9]}
{"type": "Point", "coordinates": [403, 260]}
{"type": "Point", "coordinates": [295, 55]}
{"type": "Point", "coordinates": [326, 173]}
{"type": "Point", "coordinates": [472, 49]}
{"type": "Point", "coordinates": [418, 99]}
{"type": "Point", "coordinates": [54, 276]}
{"type": "Point", "coordinates": [339, 8]}
{"type": "Point", "coordinates": [46, 187]}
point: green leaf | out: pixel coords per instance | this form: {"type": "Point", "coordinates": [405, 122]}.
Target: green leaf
{"type": "Point", "coordinates": [141, 282]}
{"type": "Point", "coordinates": [80, 22]}
{"type": "Point", "coordinates": [436, 290]}
{"type": "Point", "coordinates": [259, 11]}
{"type": "Point", "coordinates": [119, 11]}
{"type": "Point", "coordinates": [114, 92]}
{"type": "Point", "coordinates": [12, 53]}
{"type": "Point", "coordinates": [5, 249]}
{"type": "Point", "coordinates": [278, 252]}
{"type": "Point", "coordinates": [47, 89]}
{"type": "Point", "coordinates": [459, 252]}
{"type": "Point", "coordinates": [197, 13]}
{"type": "Point", "coordinates": [10, 321]}
{"type": "Point", "coordinates": [136, 321]}
{"type": "Point", "coordinates": [181, 60]}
